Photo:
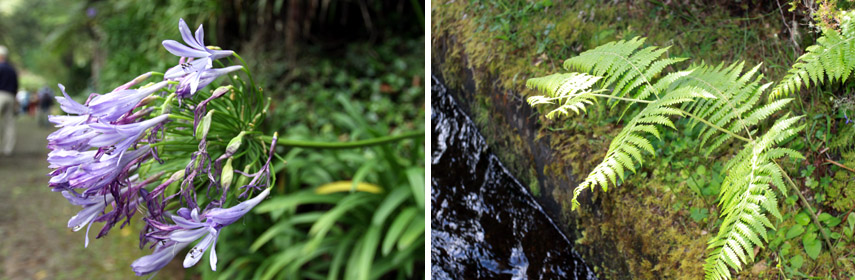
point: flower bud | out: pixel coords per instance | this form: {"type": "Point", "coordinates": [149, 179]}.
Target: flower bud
{"type": "Point", "coordinates": [228, 174]}
{"type": "Point", "coordinates": [178, 175]}
{"type": "Point", "coordinates": [234, 144]}
{"type": "Point", "coordinates": [243, 180]}
{"type": "Point", "coordinates": [220, 91]}
{"type": "Point", "coordinates": [147, 100]}
{"type": "Point", "coordinates": [204, 125]}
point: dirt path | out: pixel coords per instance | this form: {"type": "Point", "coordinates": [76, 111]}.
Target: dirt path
{"type": "Point", "coordinates": [34, 240]}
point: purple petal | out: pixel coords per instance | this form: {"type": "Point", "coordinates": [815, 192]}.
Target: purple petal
{"type": "Point", "coordinates": [111, 106]}
{"type": "Point", "coordinates": [184, 213]}
{"type": "Point", "coordinates": [174, 73]}
{"type": "Point", "coordinates": [198, 251]}
{"type": "Point", "coordinates": [186, 224]}
{"type": "Point", "coordinates": [110, 134]}
{"type": "Point", "coordinates": [69, 105]}
{"type": "Point", "coordinates": [179, 49]}
{"type": "Point", "coordinates": [86, 240]}
{"type": "Point", "coordinates": [200, 38]}
{"type": "Point", "coordinates": [61, 121]}
{"type": "Point", "coordinates": [217, 54]}
{"type": "Point", "coordinates": [157, 260]}
{"type": "Point", "coordinates": [217, 72]}
{"type": "Point", "coordinates": [194, 82]}
{"type": "Point", "coordinates": [65, 158]}
{"type": "Point", "coordinates": [230, 215]}
{"type": "Point", "coordinates": [188, 37]}
{"type": "Point", "coordinates": [214, 253]}
{"type": "Point", "coordinates": [188, 235]}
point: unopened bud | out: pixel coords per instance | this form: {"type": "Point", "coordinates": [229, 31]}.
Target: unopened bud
{"type": "Point", "coordinates": [228, 174]}
{"type": "Point", "coordinates": [243, 180]}
{"type": "Point", "coordinates": [220, 91]}
{"type": "Point", "coordinates": [234, 144]}
{"type": "Point", "coordinates": [141, 78]}
{"type": "Point", "coordinates": [178, 175]}
{"type": "Point", "coordinates": [147, 100]}
{"type": "Point", "coordinates": [205, 125]}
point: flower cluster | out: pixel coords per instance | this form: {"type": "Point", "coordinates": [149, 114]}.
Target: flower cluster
{"type": "Point", "coordinates": [110, 155]}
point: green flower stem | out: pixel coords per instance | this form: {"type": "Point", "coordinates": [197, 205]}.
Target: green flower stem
{"type": "Point", "coordinates": [344, 145]}
{"type": "Point", "coordinates": [180, 117]}
{"type": "Point", "coordinates": [248, 74]}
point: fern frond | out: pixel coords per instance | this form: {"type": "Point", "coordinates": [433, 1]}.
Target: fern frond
{"type": "Point", "coordinates": [745, 199]}
{"type": "Point", "coordinates": [623, 65]}
{"type": "Point", "coordinates": [625, 150]}
{"type": "Point", "coordinates": [570, 91]}
{"type": "Point", "coordinates": [631, 72]}
{"type": "Point", "coordinates": [733, 108]}
{"type": "Point", "coordinates": [832, 57]}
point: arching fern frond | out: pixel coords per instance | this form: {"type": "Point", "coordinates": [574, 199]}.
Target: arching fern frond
{"type": "Point", "coordinates": [745, 199]}
{"type": "Point", "coordinates": [625, 150]}
{"type": "Point", "coordinates": [631, 72]}
{"type": "Point", "coordinates": [624, 65]}
{"type": "Point", "coordinates": [734, 109]}
{"type": "Point", "coordinates": [832, 57]}
{"type": "Point", "coordinates": [570, 91]}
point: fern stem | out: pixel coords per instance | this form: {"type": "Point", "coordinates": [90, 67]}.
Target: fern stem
{"type": "Point", "coordinates": [621, 98]}
{"type": "Point", "coordinates": [715, 126]}
{"type": "Point", "coordinates": [813, 216]}
{"type": "Point", "coordinates": [840, 165]}
{"type": "Point", "coordinates": [727, 101]}
{"type": "Point", "coordinates": [600, 95]}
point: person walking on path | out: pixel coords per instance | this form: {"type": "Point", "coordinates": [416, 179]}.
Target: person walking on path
{"type": "Point", "coordinates": [45, 102]}
{"type": "Point", "coordinates": [8, 88]}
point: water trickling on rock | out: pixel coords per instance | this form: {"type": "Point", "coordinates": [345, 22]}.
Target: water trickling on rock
{"type": "Point", "coordinates": [484, 223]}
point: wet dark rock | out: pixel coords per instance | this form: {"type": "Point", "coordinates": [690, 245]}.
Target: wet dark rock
{"type": "Point", "coordinates": [485, 224]}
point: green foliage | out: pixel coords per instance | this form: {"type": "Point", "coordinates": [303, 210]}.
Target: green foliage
{"type": "Point", "coordinates": [353, 234]}
{"type": "Point", "coordinates": [573, 91]}
{"type": "Point", "coordinates": [305, 233]}
{"type": "Point", "coordinates": [734, 107]}
{"type": "Point", "coordinates": [746, 197]}
{"type": "Point", "coordinates": [723, 98]}
{"type": "Point", "coordinates": [832, 58]}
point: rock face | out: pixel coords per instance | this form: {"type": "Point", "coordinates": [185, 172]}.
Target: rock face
{"type": "Point", "coordinates": [623, 233]}
{"type": "Point", "coordinates": [486, 225]}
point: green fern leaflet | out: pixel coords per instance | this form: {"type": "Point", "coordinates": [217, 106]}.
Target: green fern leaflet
{"type": "Point", "coordinates": [832, 57]}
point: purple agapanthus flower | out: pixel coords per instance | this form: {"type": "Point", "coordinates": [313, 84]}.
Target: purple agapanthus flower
{"type": "Point", "coordinates": [191, 73]}
{"type": "Point", "coordinates": [185, 87]}
{"type": "Point", "coordinates": [92, 207]}
{"type": "Point", "coordinates": [76, 130]}
{"type": "Point", "coordinates": [163, 253]}
{"type": "Point", "coordinates": [94, 175]}
{"type": "Point", "coordinates": [109, 107]}
{"type": "Point", "coordinates": [121, 137]}
{"type": "Point", "coordinates": [190, 226]}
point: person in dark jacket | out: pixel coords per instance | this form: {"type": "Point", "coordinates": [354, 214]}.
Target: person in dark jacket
{"type": "Point", "coordinates": [8, 88]}
{"type": "Point", "coordinates": [45, 102]}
